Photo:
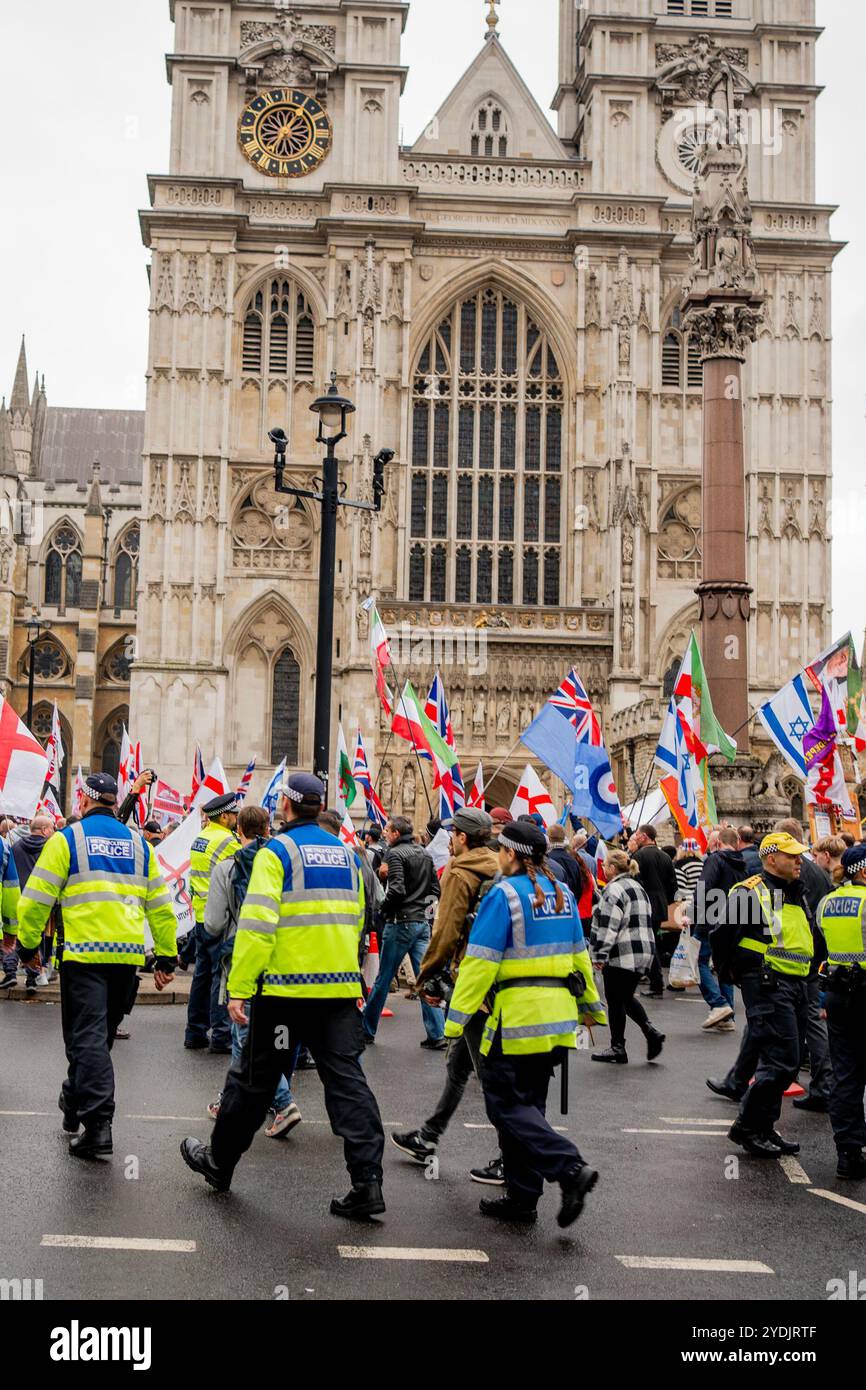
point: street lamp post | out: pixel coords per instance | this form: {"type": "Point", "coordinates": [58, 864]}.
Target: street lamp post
{"type": "Point", "coordinates": [333, 411]}
{"type": "Point", "coordinates": [35, 628]}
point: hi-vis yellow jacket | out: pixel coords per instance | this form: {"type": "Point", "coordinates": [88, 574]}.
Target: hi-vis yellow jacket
{"type": "Point", "coordinates": [213, 844]}
{"type": "Point", "coordinates": [525, 952]}
{"type": "Point", "coordinates": [843, 924]}
{"type": "Point", "coordinates": [10, 892]}
{"type": "Point", "coordinates": [301, 920]}
{"type": "Point", "coordinates": [106, 879]}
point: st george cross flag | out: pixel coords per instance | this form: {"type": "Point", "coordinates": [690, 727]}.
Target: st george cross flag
{"type": "Point", "coordinates": [50, 806]}
{"type": "Point", "coordinates": [567, 718]}
{"type": "Point", "coordinates": [125, 774]}
{"type": "Point", "coordinates": [167, 804]}
{"type": "Point", "coordinates": [452, 795]}
{"type": "Point", "coordinates": [348, 834]}
{"type": "Point", "coordinates": [23, 765]}
{"type": "Point", "coordinates": [54, 749]}
{"type": "Point", "coordinates": [243, 787]}
{"type": "Point", "coordinates": [532, 798]}
{"type": "Point", "coordinates": [197, 773]}
{"type": "Point", "coordinates": [380, 654]}
{"type": "Point", "coordinates": [361, 772]}
{"type": "Point", "coordinates": [677, 756]}
{"type": "Point", "coordinates": [346, 789]}
{"type": "Point", "coordinates": [78, 791]}
{"type": "Point", "coordinates": [215, 784]}
{"type": "Point", "coordinates": [476, 791]}
{"type": "Point", "coordinates": [595, 795]}
{"type": "Point", "coordinates": [825, 785]}
{"type": "Point", "coordinates": [272, 793]}
{"type": "Point", "coordinates": [788, 718]}
{"type": "Point", "coordinates": [141, 799]}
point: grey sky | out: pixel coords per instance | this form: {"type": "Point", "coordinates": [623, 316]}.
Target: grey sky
{"type": "Point", "coordinates": [80, 139]}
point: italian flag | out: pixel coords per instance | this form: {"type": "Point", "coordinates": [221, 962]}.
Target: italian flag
{"type": "Point", "coordinates": [346, 789]}
{"type": "Point", "coordinates": [704, 734]}
{"type": "Point", "coordinates": [380, 655]}
{"type": "Point", "coordinates": [410, 722]}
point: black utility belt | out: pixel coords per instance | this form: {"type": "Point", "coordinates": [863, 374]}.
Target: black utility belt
{"type": "Point", "coordinates": [574, 983]}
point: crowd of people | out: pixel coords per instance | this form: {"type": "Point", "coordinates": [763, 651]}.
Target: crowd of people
{"type": "Point", "coordinates": [524, 936]}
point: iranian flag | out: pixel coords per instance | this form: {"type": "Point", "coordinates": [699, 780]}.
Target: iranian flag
{"type": "Point", "coordinates": [532, 798]}
{"type": "Point", "coordinates": [380, 655]}
{"type": "Point", "coordinates": [476, 791]}
{"type": "Point", "coordinates": [346, 789]}
{"type": "Point", "coordinates": [23, 765]}
{"type": "Point", "coordinates": [215, 784]}
{"type": "Point", "coordinates": [410, 722]}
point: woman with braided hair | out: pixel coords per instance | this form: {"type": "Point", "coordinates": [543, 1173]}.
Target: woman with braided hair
{"type": "Point", "coordinates": [527, 956]}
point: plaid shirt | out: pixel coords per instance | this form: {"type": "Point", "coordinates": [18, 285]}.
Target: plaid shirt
{"type": "Point", "coordinates": [622, 933]}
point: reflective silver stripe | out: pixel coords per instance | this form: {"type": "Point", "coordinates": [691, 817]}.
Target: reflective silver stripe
{"type": "Point", "coordinates": [483, 952]}
{"type": "Point", "coordinates": [455, 1016]}
{"type": "Point", "coordinates": [296, 861]}
{"type": "Point", "coordinates": [80, 840]}
{"type": "Point", "coordinates": [35, 896]}
{"type": "Point", "coordinates": [550, 948]}
{"type": "Point", "coordinates": [339, 895]}
{"type": "Point", "coordinates": [161, 900]}
{"type": "Point", "coordinates": [49, 877]}
{"type": "Point", "coordinates": [140, 851]}
{"type": "Point", "coordinates": [320, 919]}
{"type": "Point", "coordinates": [540, 1030]}
{"type": "Point", "coordinates": [101, 895]}
{"type": "Point", "coordinates": [253, 924]}
{"type": "Point", "coordinates": [123, 882]}
{"type": "Point", "coordinates": [518, 929]}
{"type": "Point", "coordinates": [261, 900]}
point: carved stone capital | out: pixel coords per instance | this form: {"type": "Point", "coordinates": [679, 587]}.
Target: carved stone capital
{"type": "Point", "coordinates": [728, 600]}
{"type": "Point", "coordinates": [723, 329]}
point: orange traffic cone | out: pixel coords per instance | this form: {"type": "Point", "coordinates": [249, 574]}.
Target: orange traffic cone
{"type": "Point", "coordinates": [371, 964]}
{"type": "Point", "coordinates": [795, 1089]}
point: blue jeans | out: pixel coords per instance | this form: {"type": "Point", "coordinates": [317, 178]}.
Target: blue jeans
{"type": "Point", "coordinates": [204, 1011]}
{"type": "Point", "coordinates": [716, 995]}
{"type": "Point", "coordinates": [283, 1094]}
{"type": "Point", "coordinates": [401, 939]}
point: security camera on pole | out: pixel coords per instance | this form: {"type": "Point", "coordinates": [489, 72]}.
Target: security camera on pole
{"type": "Point", "coordinates": [333, 411]}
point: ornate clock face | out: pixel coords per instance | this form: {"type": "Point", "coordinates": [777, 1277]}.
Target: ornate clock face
{"type": "Point", "coordinates": [285, 133]}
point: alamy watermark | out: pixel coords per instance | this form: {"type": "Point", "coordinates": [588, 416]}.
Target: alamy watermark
{"type": "Point", "coordinates": [758, 127]}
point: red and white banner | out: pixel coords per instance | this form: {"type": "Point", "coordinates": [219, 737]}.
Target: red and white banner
{"type": "Point", "coordinates": [78, 791]}
{"type": "Point", "coordinates": [54, 750]}
{"type": "Point", "coordinates": [476, 791]}
{"type": "Point", "coordinates": [348, 834]}
{"type": "Point", "coordinates": [23, 765]}
{"type": "Point", "coordinates": [532, 798]}
{"type": "Point", "coordinates": [215, 784]}
{"type": "Point", "coordinates": [173, 857]}
{"type": "Point", "coordinates": [168, 805]}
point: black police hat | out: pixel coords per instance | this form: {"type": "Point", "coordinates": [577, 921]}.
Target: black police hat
{"type": "Point", "coordinates": [524, 837]}
{"type": "Point", "coordinates": [220, 804]}
{"type": "Point", "coordinates": [101, 784]}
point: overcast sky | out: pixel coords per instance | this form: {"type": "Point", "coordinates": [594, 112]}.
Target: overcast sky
{"type": "Point", "coordinates": [80, 138]}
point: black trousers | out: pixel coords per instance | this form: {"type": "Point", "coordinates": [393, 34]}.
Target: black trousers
{"type": "Point", "coordinates": [619, 990]}
{"type": "Point", "coordinates": [846, 1024]}
{"type": "Point", "coordinates": [463, 1058]}
{"type": "Point", "coordinates": [93, 1000]}
{"type": "Point", "coordinates": [331, 1028]}
{"type": "Point", "coordinates": [515, 1094]}
{"type": "Point", "coordinates": [777, 1009]}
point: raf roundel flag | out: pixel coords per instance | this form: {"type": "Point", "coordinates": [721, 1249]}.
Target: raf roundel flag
{"type": "Point", "coordinates": [595, 794]}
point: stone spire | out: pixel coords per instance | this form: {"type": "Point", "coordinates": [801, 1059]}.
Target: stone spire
{"type": "Point", "coordinates": [7, 447]}
{"type": "Point", "coordinates": [94, 501]}
{"type": "Point", "coordinates": [492, 21]}
{"type": "Point", "coordinates": [20, 400]}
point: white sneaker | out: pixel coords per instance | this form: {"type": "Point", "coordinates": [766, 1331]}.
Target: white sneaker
{"type": "Point", "coordinates": [283, 1121]}
{"type": "Point", "coordinates": [726, 1027]}
{"type": "Point", "coordinates": [717, 1016]}
{"type": "Point", "coordinates": [43, 977]}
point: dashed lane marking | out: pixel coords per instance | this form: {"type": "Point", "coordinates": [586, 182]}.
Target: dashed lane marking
{"type": "Point", "coordinates": [695, 1133]}
{"type": "Point", "coordinates": [794, 1171]}
{"type": "Point", "coordinates": [28, 1113]}
{"type": "Point", "coordinates": [680, 1120]}
{"type": "Point", "coordinates": [705, 1266]}
{"type": "Point", "coordinates": [178, 1247]}
{"type": "Point", "coordinates": [399, 1252]}
{"type": "Point", "coordinates": [835, 1197]}
{"type": "Point", "coordinates": [560, 1129]}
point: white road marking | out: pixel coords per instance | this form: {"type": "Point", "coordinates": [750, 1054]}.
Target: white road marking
{"type": "Point", "coordinates": [679, 1120]}
{"type": "Point", "coordinates": [187, 1119]}
{"type": "Point", "coordinates": [179, 1247]}
{"type": "Point", "coordinates": [696, 1133]}
{"type": "Point", "coordinates": [398, 1252]}
{"type": "Point", "coordinates": [707, 1266]}
{"type": "Point", "coordinates": [794, 1171]}
{"type": "Point", "coordinates": [835, 1197]}
{"type": "Point", "coordinates": [26, 1112]}
{"type": "Point", "coordinates": [560, 1129]}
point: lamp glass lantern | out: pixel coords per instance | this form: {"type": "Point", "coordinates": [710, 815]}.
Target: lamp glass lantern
{"type": "Point", "coordinates": [332, 410]}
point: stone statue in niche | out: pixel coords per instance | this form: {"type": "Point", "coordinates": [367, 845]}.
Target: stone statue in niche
{"type": "Point", "coordinates": [503, 720]}
{"type": "Point", "coordinates": [410, 787]}
{"type": "Point", "coordinates": [479, 716]}
{"type": "Point", "coordinates": [344, 291]}
{"type": "Point", "coordinates": [457, 720]}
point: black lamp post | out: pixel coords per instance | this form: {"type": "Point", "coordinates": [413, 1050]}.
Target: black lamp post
{"type": "Point", "coordinates": [332, 410]}
{"type": "Point", "coordinates": [35, 628]}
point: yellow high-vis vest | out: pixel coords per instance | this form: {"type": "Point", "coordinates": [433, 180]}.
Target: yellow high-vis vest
{"type": "Point", "coordinates": [791, 948]}
{"type": "Point", "coordinates": [843, 923]}
{"type": "Point", "coordinates": [213, 844]}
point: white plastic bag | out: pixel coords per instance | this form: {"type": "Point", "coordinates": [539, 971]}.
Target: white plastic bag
{"type": "Point", "coordinates": [684, 965]}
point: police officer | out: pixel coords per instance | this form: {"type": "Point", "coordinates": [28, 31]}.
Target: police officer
{"type": "Point", "coordinates": [527, 945]}
{"type": "Point", "coordinates": [843, 925]}
{"type": "Point", "coordinates": [106, 880]}
{"type": "Point", "coordinates": [296, 959]}
{"type": "Point", "coordinates": [216, 842]}
{"type": "Point", "coordinates": [772, 948]}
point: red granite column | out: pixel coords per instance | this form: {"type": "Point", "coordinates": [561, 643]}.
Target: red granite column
{"type": "Point", "coordinates": [724, 589]}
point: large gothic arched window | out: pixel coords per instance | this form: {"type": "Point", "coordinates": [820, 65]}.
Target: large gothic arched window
{"type": "Point", "coordinates": [286, 703]}
{"type": "Point", "coordinates": [487, 459]}
{"type": "Point", "coordinates": [63, 569]}
{"type": "Point", "coordinates": [126, 568]}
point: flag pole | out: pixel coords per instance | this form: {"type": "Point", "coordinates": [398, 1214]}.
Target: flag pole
{"type": "Point", "coordinates": [411, 735]}
{"type": "Point", "coordinates": [495, 773]}
{"type": "Point", "coordinates": [382, 756]}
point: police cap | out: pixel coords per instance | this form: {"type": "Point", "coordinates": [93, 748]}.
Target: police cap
{"type": "Point", "coordinates": [102, 786]}
{"type": "Point", "coordinates": [220, 805]}
{"type": "Point", "coordinates": [302, 788]}
{"type": "Point", "coordinates": [854, 859]}
{"type": "Point", "coordinates": [524, 837]}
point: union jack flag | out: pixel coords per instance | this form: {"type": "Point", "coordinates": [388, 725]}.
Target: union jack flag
{"type": "Point", "coordinates": [246, 780]}
{"type": "Point", "coordinates": [197, 772]}
{"type": "Point", "coordinates": [575, 705]}
{"type": "Point", "coordinates": [361, 773]}
{"type": "Point", "coordinates": [452, 793]}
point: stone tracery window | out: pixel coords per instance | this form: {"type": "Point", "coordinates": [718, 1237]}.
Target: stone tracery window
{"type": "Point", "coordinates": [126, 568]}
{"type": "Point", "coordinates": [63, 565]}
{"type": "Point", "coordinates": [116, 667]}
{"type": "Point", "coordinates": [681, 359]}
{"type": "Point", "coordinates": [489, 135]}
{"type": "Point", "coordinates": [50, 662]}
{"type": "Point", "coordinates": [487, 459]}
{"type": "Point", "coordinates": [679, 544]}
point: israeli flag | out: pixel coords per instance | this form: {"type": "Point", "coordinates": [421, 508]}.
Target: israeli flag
{"type": "Point", "coordinates": [788, 718]}
{"type": "Point", "coordinates": [272, 795]}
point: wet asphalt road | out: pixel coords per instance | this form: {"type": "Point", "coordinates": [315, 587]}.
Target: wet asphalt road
{"type": "Point", "coordinates": [674, 1193]}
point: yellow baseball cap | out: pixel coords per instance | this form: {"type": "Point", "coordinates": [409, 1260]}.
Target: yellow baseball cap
{"type": "Point", "coordinates": [781, 843]}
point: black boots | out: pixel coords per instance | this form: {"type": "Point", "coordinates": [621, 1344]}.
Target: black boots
{"type": "Point", "coordinates": [506, 1209]}
{"type": "Point", "coordinates": [721, 1088]}
{"type": "Point", "coordinates": [71, 1122]}
{"type": "Point", "coordinates": [851, 1165]}
{"type": "Point", "coordinates": [759, 1145]}
{"type": "Point", "coordinates": [363, 1201]}
{"type": "Point", "coordinates": [199, 1158]}
{"type": "Point", "coordinates": [655, 1041]}
{"type": "Point", "coordinates": [95, 1142]}
{"type": "Point", "coordinates": [575, 1188]}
